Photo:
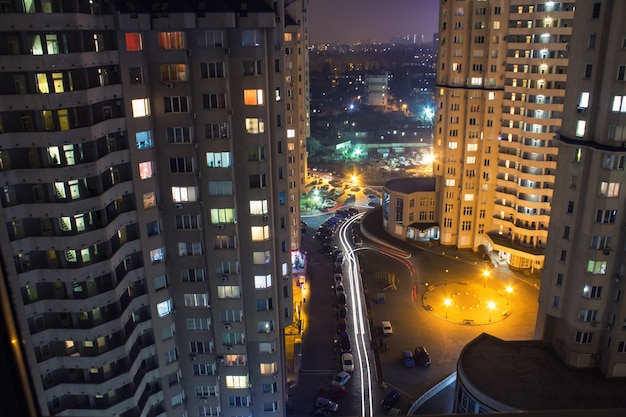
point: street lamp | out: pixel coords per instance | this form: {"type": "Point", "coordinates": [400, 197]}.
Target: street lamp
{"type": "Point", "coordinates": [509, 291]}
{"type": "Point", "coordinates": [491, 305]}
{"type": "Point", "coordinates": [485, 276]}
{"type": "Point", "coordinates": [447, 302]}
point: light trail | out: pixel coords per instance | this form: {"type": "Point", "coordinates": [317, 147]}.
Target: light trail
{"type": "Point", "coordinates": [360, 325]}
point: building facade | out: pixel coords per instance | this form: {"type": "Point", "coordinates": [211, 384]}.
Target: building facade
{"type": "Point", "coordinates": [503, 69]}
{"type": "Point", "coordinates": [581, 307]}
{"type": "Point", "coordinates": [151, 159]}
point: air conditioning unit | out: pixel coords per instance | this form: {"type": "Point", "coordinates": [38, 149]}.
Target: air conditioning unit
{"type": "Point", "coordinates": [220, 359]}
{"type": "Point", "coordinates": [178, 206]}
{"type": "Point", "coordinates": [266, 218]}
{"type": "Point", "coordinates": [227, 326]}
{"type": "Point", "coordinates": [224, 277]}
{"type": "Point", "coordinates": [192, 356]}
{"type": "Point", "coordinates": [169, 85]}
{"type": "Point", "coordinates": [199, 174]}
{"type": "Point", "coordinates": [594, 323]}
{"type": "Point", "coordinates": [230, 112]}
{"type": "Point", "coordinates": [220, 227]}
{"type": "Point", "coordinates": [204, 401]}
{"type": "Point", "coordinates": [607, 251]}
{"type": "Point", "coordinates": [227, 51]}
{"type": "Point", "coordinates": [229, 347]}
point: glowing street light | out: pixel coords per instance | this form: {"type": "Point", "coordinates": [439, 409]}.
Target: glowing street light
{"type": "Point", "coordinates": [447, 302]}
{"type": "Point", "coordinates": [491, 305]}
{"type": "Point", "coordinates": [509, 291]}
{"type": "Point", "coordinates": [485, 276]}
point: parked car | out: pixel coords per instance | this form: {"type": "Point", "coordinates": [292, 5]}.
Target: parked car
{"type": "Point", "coordinates": [342, 313]}
{"type": "Point", "coordinates": [342, 301]}
{"type": "Point", "coordinates": [421, 356]}
{"type": "Point", "coordinates": [341, 378]}
{"type": "Point", "coordinates": [328, 204]}
{"type": "Point", "coordinates": [342, 326]}
{"type": "Point", "coordinates": [350, 196]}
{"type": "Point", "coordinates": [343, 340]}
{"type": "Point", "coordinates": [324, 412]}
{"type": "Point", "coordinates": [322, 402]}
{"type": "Point", "coordinates": [407, 359]}
{"type": "Point", "coordinates": [338, 279]}
{"type": "Point", "coordinates": [347, 362]}
{"type": "Point", "coordinates": [334, 392]}
{"type": "Point", "coordinates": [387, 329]}
{"type": "Point", "coordinates": [339, 260]}
{"type": "Point", "coordinates": [334, 254]}
{"type": "Point", "coordinates": [390, 400]}
{"type": "Point", "coordinates": [339, 290]}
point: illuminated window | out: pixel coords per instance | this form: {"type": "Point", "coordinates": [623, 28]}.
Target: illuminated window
{"type": "Point", "coordinates": [196, 300]}
{"type": "Point", "coordinates": [261, 258]}
{"type": "Point", "coordinates": [222, 215]}
{"type": "Point", "coordinates": [262, 281]}
{"type": "Point", "coordinates": [291, 133]}
{"type": "Point", "coordinates": [164, 308]}
{"type": "Point", "coordinates": [453, 145]}
{"type": "Point", "coordinates": [149, 200]}
{"type": "Point", "coordinates": [260, 233]}
{"type": "Point", "coordinates": [468, 197]}
{"type": "Point", "coordinates": [584, 100]}
{"type": "Point", "coordinates": [580, 128]}
{"type": "Point", "coordinates": [140, 107]}
{"type": "Point", "coordinates": [146, 170]}
{"type": "Point", "coordinates": [450, 182]}
{"type": "Point", "coordinates": [258, 207]}
{"type": "Point", "coordinates": [171, 40]}
{"type": "Point", "coordinates": [157, 255]}
{"type": "Point", "coordinates": [265, 326]}
{"type": "Point", "coordinates": [268, 368]}
{"type": "Point", "coordinates": [173, 72]}
{"type": "Point", "coordinates": [255, 125]}
{"type": "Point", "coordinates": [228, 291]}
{"type": "Point", "coordinates": [253, 97]}
{"type": "Point", "coordinates": [133, 42]}
{"type": "Point", "coordinates": [609, 189]}
{"type": "Point", "coordinates": [619, 104]}
{"type": "Point", "coordinates": [184, 194]}
{"type": "Point", "coordinates": [42, 83]}
{"type": "Point", "coordinates": [237, 381]}
{"type": "Point", "coordinates": [218, 159]}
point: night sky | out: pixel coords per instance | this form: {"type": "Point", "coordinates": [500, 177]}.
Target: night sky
{"type": "Point", "coordinates": [350, 21]}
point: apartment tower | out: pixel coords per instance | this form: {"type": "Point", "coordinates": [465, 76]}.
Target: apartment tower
{"type": "Point", "coordinates": [496, 143]}
{"type": "Point", "coordinates": [581, 304]}
{"type": "Point", "coordinates": [152, 156]}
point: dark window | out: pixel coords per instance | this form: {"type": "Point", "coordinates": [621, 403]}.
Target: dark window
{"type": "Point", "coordinates": [588, 68]}
{"type": "Point", "coordinates": [570, 207]}
{"type": "Point", "coordinates": [596, 10]}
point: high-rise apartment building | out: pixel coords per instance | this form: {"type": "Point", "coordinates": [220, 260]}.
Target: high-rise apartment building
{"type": "Point", "coordinates": [152, 156]}
{"type": "Point", "coordinates": [581, 305]}
{"type": "Point", "coordinates": [501, 81]}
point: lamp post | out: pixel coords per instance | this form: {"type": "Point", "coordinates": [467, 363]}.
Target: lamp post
{"type": "Point", "coordinates": [491, 305]}
{"type": "Point", "coordinates": [485, 276]}
{"type": "Point", "coordinates": [447, 302]}
{"type": "Point", "coordinates": [509, 291]}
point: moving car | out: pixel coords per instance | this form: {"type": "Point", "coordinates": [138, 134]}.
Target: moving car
{"type": "Point", "coordinates": [407, 359]}
{"type": "Point", "coordinates": [387, 329]}
{"type": "Point", "coordinates": [341, 379]}
{"type": "Point", "coordinates": [390, 400]}
{"type": "Point", "coordinates": [347, 362]}
{"type": "Point", "coordinates": [421, 356]}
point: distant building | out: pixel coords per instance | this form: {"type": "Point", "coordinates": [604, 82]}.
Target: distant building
{"type": "Point", "coordinates": [377, 89]}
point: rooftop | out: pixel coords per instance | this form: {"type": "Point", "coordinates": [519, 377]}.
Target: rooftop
{"type": "Point", "coordinates": [408, 185]}
{"type": "Point", "coordinates": [529, 375]}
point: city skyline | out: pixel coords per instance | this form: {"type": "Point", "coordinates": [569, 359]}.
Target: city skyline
{"type": "Point", "coordinates": [328, 19]}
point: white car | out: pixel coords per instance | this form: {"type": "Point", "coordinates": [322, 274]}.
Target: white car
{"type": "Point", "coordinates": [387, 329]}
{"type": "Point", "coordinates": [341, 379]}
{"type": "Point", "coordinates": [347, 362]}
{"type": "Point", "coordinates": [328, 204]}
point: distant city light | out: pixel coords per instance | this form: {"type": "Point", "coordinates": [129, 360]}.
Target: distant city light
{"type": "Point", "coordinates": [429, 114]}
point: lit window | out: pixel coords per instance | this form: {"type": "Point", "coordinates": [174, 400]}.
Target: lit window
{"type": "Point", "coordinates": [260, 233]}
{"type": "Point", "coordinates": [470, 160]}
{"type": "Point", "coordinates": [251, 37]}
{"type": "Point", "coordinates": [584, 100]}
{"type": "Point", "coordinates": [253, 97]}
{"type": "Point", "coordinates": [261, 258]}
{"type": "Point", "coordinates": [450, 182]}
{"type": "Point", "coordinates": [619, 104]}
{"type": "Point", "coordinates": [173, 72]}
{"type": "Point", "coordinates": [157, 255]}
{"type": "Point", "coordinates": [218, 159]}
{"type": "Point", "coordinates": [291, 133]}
{"type": "Point", "coordinates": [141, 107]}
{"type": "Point", "coordinates": [164, 308]}
{"type": "Point", "coordinates": [171, 40]}
{"type": "Point", "coordinates": [267, 368]}
{"type": "Point", "coordinates": [580, 128]}
{"type": "Point", "coordinates": [453, 145]}
{"type": "Point", "coordinates": [222, 215]}
{"type": "Point", "coordinates": [146, 170]}
{"type": "Point", "coordinates": [255, 125]}
{"type": "Point", "coordinates": [196, 300]}
{"type": "Point", "coordinates": [144, 139]}
{"type": "Point", "coordinates": [228, 291]}
{"type": "Point", "coordinates": [149, 200]}
{"type": "Point", "coordinates": [184, 194]}
{"type": "Point", "coordinates": [491, 96]}
{"type": "Point", "coordinates": [609, 189]}
{"type": "Point", "coordinates": [258, 207]}
{"type": "Point", "coordinates": [237, 381]}
{"type": "Point", "coordinates": [468, 197]}
{"type": "Point", "coordinates": [262, 281]}
{"type": "Point", "coordinates": [134, 42]}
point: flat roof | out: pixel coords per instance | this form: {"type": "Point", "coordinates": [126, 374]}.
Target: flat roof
{"type": "Point", "coordinates": [529, 375]}
{"type": "Point", "coordinates": [408, 185]}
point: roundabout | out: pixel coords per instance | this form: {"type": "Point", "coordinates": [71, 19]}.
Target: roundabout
{"type": "Point", "coordinates": [468, 303]}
